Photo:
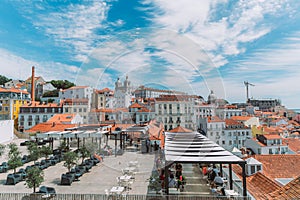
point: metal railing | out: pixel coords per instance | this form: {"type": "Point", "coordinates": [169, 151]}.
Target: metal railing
{"type": "Point", "coordinates": [27, 196]}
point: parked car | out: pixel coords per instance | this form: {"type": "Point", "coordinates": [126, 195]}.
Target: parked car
{"type": "Point", "coordinates": [26, 143]}
{"type": "Point", "coordinates": [25, 159]}
{"type": "Point", "coordinates": [13, 179]}
{"type": "Point", "coordinates": [67, 179]}
{"type": "Point", "coordinates": [89, 164]}
{"type": "Point", "coordinates": [3, 167]}
{"type": "Point", "coordinates": [23, 173]}
{"type": "Point", "coordinates": [48, 191]}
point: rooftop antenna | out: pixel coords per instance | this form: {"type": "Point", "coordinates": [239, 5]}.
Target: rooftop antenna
{"type": "Point", "coordinates": [246, 83]}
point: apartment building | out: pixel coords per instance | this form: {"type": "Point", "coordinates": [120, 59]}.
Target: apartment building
{"type": "Point", "coordinates": [34, 112]}
{"type": "Point", "coordinates": [175, 110]}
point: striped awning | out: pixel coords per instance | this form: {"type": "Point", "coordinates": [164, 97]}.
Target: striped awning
{"type": "Point", "coordinates": [194, 147]}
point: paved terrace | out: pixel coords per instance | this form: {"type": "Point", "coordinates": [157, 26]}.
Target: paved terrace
{"type": "Point", "coordinates": [103, 176]}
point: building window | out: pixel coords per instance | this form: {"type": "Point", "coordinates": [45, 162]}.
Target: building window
{"type": "Point", "coordinates": [223, 142]}
{"type": "Point", "coordinates": [252, 169]}
{"type": "Point", "coordinates": [74, 110]}
{"type": "Point", "coordinates": [230, 142]}
{"type": "Point", "coordinates": [258, 168]}
{"type": "Point", "coordinates": [270, 151]}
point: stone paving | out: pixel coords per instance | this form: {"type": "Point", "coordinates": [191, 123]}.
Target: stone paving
{"type": "Point", "coordinates": [104, 176]}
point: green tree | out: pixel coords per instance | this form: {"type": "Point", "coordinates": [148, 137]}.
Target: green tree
{"type": "Point", "coordinates": [3, 79]}
{"type": "Point", "coordinates": [46, 151]}
{"type": "Point", "coordinates": [2, 148]}
{"type": "Point", "coordinates": [34, 151]}
{"type": "Point", "coordinates": [62, 84]}
{"type": "Point", "coordinates": [14, 157]}
{"type": "Point", "coordinates": [83, 153]}
{"type": "Point", "coordinates": [52, 93]}
{"type": "Point", "coordinates": [35, 177]}
{"type": "Point", "coordinates": [70, 159]}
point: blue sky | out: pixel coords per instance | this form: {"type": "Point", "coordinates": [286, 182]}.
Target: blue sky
{"type": "Point", "coordinates": [189, 45]}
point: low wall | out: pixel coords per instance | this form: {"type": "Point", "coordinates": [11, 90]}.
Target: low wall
{"type": "Point", "coordinates": [6, 130]}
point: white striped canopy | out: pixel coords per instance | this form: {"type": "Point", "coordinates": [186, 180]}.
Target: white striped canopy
{"type": "Point", "coordinates": [194, 147]}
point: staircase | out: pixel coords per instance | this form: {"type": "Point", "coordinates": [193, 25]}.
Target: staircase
{"type": "Point", "coordinates": [195, 184]}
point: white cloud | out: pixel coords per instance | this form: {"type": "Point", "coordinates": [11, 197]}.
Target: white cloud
{"type": "Point", "coordinates": [16, 67]}
{"type": "Point", "coordinates": [73, 27]}
{"type": "Point", "coordinates": [222, 37]}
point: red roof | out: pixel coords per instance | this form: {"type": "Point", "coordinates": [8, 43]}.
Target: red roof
{"type": "Point", "coordinates": [135, 105]}
{"type": "Point", "coordinates": [38, 104]}
{"type": "Point", "coordinates": [293, 143]}
{"type": "Point", "coordinates": [289, 191]}
{"type": "Point", "coordinates": [258, 184]}
{"type": "Point", "coordinates": [214, 119]}
{"type": "Point", "coordinates": [46, 127]}
{"type": "Point", "coordinates": [62, 118]}
{"type": "Point", "coordinates": [180, 129]}
{"type": "Point", "coordinates": [272, 136]}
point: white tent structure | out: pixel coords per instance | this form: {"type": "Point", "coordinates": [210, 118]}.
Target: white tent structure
{"type": "Point", "coordinates": [193, 147]}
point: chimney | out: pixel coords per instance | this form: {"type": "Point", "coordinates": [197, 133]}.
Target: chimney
{"type": "Point", "coordinates": [32, 85]}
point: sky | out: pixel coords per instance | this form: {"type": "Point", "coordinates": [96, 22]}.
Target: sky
{"type": "Point", "coordinates": [188, 45]}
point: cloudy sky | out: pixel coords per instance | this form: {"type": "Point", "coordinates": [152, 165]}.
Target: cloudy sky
{"type": "Point", "coordinates": [189, 45]}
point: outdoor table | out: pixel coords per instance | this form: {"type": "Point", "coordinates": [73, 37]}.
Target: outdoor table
{"type": "Point", "coordinates": [125, 178]}
{"type": "Point", "coordinates": [117, 190]}
{"type": "Point", "coordinates": [133, 163]}
{"type": "Point", "coordinates": [231, 193]}
{"type": "Point", "coordinates": [129, 170]}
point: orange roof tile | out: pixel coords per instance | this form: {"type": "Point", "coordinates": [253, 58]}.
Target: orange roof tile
{"type": "Point", "coordinates": [12, 90]}
{"type": "Point", "coordinates": [38, 104]}
{"type": "Point", "coordinates": [272, 136]}
{"type": "Point", "coordinates": [46, 127]}
{"type": "Point", "coordinates": [62, 118]}
{"type": "Point", "coordinates": [135, 105]}
{"type": "Point", "coordinates": [258, 184]}
{"type": "Point", "coordinates": [144, 110]}
{"type": "Point", "coordinates": [232, 122]}
{"type": "Point", "coordinates": [293, 144]}
{"type": "Point", "coordinates": [280, 166]}
{"type": "Point", "coordinates": [289, 191]}
{"type": "Point", "coordinates": [214, 119]}
{"type": "Point", "coordinates": [241, 118]}
{"type": "Point", "coordinates": [180, 129]}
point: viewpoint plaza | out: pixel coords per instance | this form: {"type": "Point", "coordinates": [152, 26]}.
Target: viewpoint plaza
{"type": "Point", "coordinates": [188, 148]}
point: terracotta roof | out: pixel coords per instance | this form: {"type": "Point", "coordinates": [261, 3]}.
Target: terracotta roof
{"type": "Point", "coordinates": [272, 136]}
{"type": "Point", "coordinates": [144, 110]}
{"type": "Point", "coordinates": [135, 105]}
{"type": "Point", "coordinates": [12, 90]}
{"type": "Point", "coordinates": [103, 90]}
{"type": "Point", "coordinates": [62, 118]}
{"type": "Point", "coordinates": [241, 118]}
{"type": "Point", "coordinates": [233, 122]}
{"type": "Point", "coordinates": [280, 166]}
{"type": "Point", "coordinates": [85, 100]}
{"type": "Point", "coordinates": [49, 126]}
{"type": "Point", "coordinates": [258, 184]}
{"type": "Point", "coordinates": [180, 129]}
{"type": "Point", "coordinates": [293, 144]}
{"type": "Point", "coordinates": [38, 104]}
{"type": "Point", "coordinates": [214, 119]}
{"type": "Point", "coordinates": [289, 191]}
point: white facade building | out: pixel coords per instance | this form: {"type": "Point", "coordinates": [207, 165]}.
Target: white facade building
{"type": "Point", "coordinates": [122, 94]}
{"type": "Point", "coordinates": [228, 111]}
{"type": "Point", "coordinates": [175, 110]}
{"type": "Point", "coordinates": [267, 144]}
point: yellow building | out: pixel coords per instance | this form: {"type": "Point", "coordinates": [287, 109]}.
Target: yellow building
{"type": "Point", "coordinates": [11, 100]}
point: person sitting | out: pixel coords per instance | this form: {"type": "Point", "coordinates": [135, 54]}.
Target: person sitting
{"type": "Point", "coordinates": [218, 181]}
{"type": "Point", "coordinates": [172, 181]}
{"type": "Point", "coordinates": [181, 182]}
